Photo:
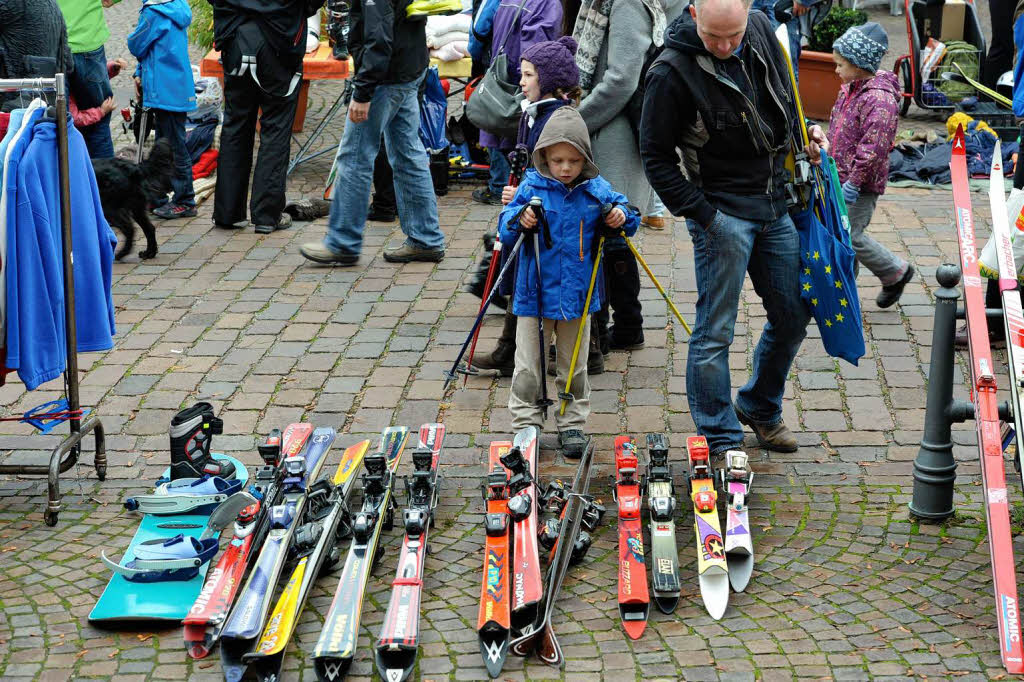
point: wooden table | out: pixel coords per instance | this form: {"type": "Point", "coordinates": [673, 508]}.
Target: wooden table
{"type": "Point", "coordinates": [317, 65]}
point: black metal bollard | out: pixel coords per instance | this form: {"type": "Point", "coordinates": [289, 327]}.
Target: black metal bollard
{"type": "Point", "coordinates": [934, 467]}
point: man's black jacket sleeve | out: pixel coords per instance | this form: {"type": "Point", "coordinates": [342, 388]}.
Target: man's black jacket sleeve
{"type": "Point", "coordinates": [667, 111]}
{"type": "Point", "coordinates": [378, 36]}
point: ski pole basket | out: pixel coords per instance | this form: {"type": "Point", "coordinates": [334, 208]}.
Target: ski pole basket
{"type": "Point", "coordinates": [66, 454]}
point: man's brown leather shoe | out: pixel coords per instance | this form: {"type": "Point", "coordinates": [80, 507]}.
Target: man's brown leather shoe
{"type": "Point", "coordinates": [776, 437]}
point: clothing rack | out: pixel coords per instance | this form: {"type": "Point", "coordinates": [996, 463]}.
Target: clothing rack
{"type": "Point", "coordinates": [65, 455]}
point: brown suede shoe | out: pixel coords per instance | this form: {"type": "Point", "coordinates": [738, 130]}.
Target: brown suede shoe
{"type": "Point", "coordinates": [776, 437]}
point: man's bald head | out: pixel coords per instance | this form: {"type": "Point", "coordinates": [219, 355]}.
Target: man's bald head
{"type": "Point", "coordinates": [721, 24]}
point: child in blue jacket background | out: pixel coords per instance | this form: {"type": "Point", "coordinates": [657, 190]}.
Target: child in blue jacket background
{"type": "Point", "coordinates": [160, 43]}
{"type": "Point", "coordinates": [565, 178]}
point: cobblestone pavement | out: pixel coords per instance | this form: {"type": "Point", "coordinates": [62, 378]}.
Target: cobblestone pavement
{"type": "Point", "coordinates": [847, 586]}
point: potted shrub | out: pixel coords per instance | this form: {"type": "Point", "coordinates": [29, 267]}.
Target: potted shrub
{"type": "Point", "coordinates": [819, 84]}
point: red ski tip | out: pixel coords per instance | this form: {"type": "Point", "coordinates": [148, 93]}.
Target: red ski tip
{"type": "Point", "coordinates": [958, 139]}
{"type": "Point", "coordinates": [634, 628]}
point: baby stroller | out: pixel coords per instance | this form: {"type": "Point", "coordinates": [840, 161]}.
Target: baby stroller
{"type": "Point", "coordinates": [926, 90]}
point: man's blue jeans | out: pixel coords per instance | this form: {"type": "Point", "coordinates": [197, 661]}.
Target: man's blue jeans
{"type": "Point", "coordinates": [723, 253]}
{"type": "Point", "coordinates": [90, 85]}
{"type": "Point", "coordinates": [500, 169]}
{"type": "Point", "coordinates": [395, 112]}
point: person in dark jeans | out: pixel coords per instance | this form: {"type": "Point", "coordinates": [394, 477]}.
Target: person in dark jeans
{"type": "Point", "coordinates": [1000, 49]}
{"type": "Point", "coordinates": [384, 207]}
{"type": "Point", "coordinates": [262, 73]}
{"type": "Point", "coordinates": [90, 86]}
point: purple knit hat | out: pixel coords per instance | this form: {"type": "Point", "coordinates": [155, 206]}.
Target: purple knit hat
{"type": "Point", "coordinates": [556, 64]}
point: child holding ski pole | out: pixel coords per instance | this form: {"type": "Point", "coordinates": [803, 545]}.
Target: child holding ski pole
{"type": "Point", "coordinates": [862, 128]}
{"type": "Point", "coordinates": [550, 81]}
{"type": "Point", "coordinates": [551, 286]}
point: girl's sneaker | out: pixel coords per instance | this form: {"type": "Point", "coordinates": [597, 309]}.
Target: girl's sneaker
{"type": "Point", "coordinates": [169, 211]}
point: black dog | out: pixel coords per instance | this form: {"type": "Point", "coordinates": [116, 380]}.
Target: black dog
{"type": "Point", "coordinates": [127, 189]}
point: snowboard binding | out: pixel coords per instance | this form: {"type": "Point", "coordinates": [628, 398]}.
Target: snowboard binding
{"type": "Point", "coordinates": [197, 495]}
{"type": "Point", "coordinates": [190, 432]}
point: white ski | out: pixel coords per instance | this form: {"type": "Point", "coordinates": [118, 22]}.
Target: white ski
{"type": "Point", "coordinates": [1013, 318]}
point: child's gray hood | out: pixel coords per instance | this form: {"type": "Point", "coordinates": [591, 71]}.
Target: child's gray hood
{"type": "Point", "coordinates": [565, 125]}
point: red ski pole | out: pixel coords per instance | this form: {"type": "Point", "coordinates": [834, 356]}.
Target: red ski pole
{"type": "Point", "coordinates": [517, 161]}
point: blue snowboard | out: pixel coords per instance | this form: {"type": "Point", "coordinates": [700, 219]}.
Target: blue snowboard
{"type": "Point", "coordinates": [166, 602]}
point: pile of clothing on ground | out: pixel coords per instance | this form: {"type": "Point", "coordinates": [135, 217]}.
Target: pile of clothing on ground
{"type": "Point", "coordinates": [448, 36]}
{"type": "Point", "coordinates": [927, 160]}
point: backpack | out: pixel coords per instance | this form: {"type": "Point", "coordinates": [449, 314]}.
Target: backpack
{"type": "Point", "coordinates": [635, 107]}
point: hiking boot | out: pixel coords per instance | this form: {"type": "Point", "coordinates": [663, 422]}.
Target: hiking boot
{"type": "Point", "coordinates": [406, 253]}
{"type": "Point", "coordinates": [171, 211]}
{"type": "Point", "coordinates": [996, 337]}
{"type": "Point", "coordinates": [653, 222]}
{"type": "Point", "coordinates": [776, 437]}
{"type": "Point", "coordinates": [484, 195]}
{"type": "Point", "coordinates": [240, 225]}
{"type": "Point", "coordinates": [623, 340]}
{"type": "Point", "coordinates": [478, 279]}
{"type": "Point", "coordinates": [891, 293]}
{"type": "Point", "coordinates": [503, 357]}
{"type": "Point", "coordinates": [283, 223]}
{"type": "Point", "coordinates": [318, 253]}
{"type": "Point", "coordinates": [573, 442]}
{"type": "Point", "coordinates": [381, 215]}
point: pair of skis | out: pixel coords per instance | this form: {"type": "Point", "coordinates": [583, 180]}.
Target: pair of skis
{"type": "Point", "coordinates": [983, 381]}
{"type": "Point", "coordinates": [398, 643]}
{"type": "Point", "coordinates": [515, 605]}
{"type": "Point", "coordinates": [516, 613]}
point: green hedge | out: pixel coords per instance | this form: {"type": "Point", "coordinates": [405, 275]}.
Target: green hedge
{"type": "Point", "coordinates": [833, 26]}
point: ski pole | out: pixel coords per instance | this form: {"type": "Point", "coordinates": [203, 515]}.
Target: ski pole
{"type": "Point", "coordinates": [451, 374]}
{"type": "Point", "coordinates": [538, 211]}
{"type": "Point", "coordinates": [657, 284]}
{"type": "Point", "coordinates": [567, 395]}
{"type": "Point", "coordinates": [517, 164]}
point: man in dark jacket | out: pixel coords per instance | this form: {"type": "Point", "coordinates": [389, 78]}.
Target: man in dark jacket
{"type": "Point", "coordinates": [720, 92]}
{"type": "Point", "coordinates": [389, 52]}
{"type": "Point", "coordinates": [262, 43]}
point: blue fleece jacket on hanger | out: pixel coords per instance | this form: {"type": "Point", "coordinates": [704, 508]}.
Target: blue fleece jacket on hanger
{"type": "Point", "coordinates": [34, 268]}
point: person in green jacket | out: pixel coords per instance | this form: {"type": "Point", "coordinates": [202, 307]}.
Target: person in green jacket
{"type": "Point", "coordinates": [90, 85]}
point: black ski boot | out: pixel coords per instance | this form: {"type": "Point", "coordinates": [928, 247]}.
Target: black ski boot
{"type": "Point", "coordinates": [503, 358]}
{"type": "Point", "coordinates": [337, 27]}
{"type": "Point", "coordinates": [476, 282]}
{"type": "Point", "coordinates": [623, 278]}
{"type": "Point", "coordinates": [190, 444]}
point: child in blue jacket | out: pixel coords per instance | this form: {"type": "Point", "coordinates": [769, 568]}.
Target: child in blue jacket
{"type": "Point", "coordinates": [164, 81]}
{"type": "Point", "coordinates": [565, 178]}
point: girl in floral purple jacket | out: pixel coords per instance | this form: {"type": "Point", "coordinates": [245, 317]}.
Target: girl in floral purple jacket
{"type": "Point", "coordinates": [862, 128]}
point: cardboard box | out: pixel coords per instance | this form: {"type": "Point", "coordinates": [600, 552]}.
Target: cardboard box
{"type": "Point", "coordinates": [954, 14]}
